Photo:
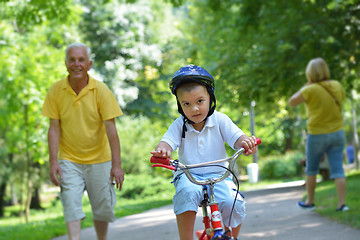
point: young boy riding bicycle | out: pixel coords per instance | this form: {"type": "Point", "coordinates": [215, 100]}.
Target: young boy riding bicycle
{"type": "Point", "coordinates": [200, 135]}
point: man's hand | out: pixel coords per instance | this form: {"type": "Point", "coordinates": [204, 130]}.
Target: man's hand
{"type": "Point", "coordinates": [54, 171]}
{"type": "Point", "coordinates": [117, 174]}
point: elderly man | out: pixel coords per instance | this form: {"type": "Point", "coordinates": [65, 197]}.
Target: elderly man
{"type": "Point", "coordinates": [84, 147]}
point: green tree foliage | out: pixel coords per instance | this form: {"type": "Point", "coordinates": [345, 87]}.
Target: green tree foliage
{"type": "Point", "coordinates": [26, 13]}
{"type": "Point", "coordinates": [258, 50]}
{"type": "Point", "coordinates": [265, 45]}
{"type": "Point", "coordinates": [127, 56]}
{"type": "Point", "coordinates": [30, 62]}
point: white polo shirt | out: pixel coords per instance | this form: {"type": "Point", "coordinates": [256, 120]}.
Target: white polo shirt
{"type": "Point", "coordinates": [204, 146]}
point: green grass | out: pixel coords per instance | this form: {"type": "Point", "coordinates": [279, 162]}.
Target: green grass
{"type": "Point", "coordinates": [326, 200]}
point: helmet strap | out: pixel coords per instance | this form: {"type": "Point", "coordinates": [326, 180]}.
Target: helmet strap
{"type": "Point", "coordinates": [212, 101]}
{"type": "Point", "coordinates": [184, 129]}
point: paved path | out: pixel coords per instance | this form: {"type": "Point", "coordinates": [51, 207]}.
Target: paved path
{"type": "Point", "coordinates": [272, 214]}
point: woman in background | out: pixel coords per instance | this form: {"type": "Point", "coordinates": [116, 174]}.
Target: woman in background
{"type": "Point", "coordinates": [323, 98]}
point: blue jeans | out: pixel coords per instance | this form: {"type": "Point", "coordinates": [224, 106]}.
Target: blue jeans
{"type": "Point", "coordinates": [333, 145]}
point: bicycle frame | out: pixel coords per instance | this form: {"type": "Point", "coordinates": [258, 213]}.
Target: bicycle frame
{"type": "Point", "coordinates": [215, 230]}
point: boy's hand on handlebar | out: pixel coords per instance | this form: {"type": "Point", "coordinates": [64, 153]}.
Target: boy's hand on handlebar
{"type": "Point", "coordinates": [249, 144]}
{"type": "Point", "coordinates": [161, 153]}
{"type": "Point", "coordinates": [162, 150]}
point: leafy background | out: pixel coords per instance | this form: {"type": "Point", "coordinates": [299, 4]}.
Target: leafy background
{"type": "Point", "coordinates": [257, 51]}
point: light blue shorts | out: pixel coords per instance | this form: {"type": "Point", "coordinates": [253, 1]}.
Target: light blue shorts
{"type": "Point", "coordinates": [95, 179]}
{"type": "Point", "coordinates": [333, 145]}
{"type": "Point", "coordinates": [189, 195]}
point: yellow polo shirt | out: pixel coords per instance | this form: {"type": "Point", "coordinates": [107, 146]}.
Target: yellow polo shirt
{"type": "Point", "coordinates": [323, 115]}
{"type": "Point", "coordinates": [83, 136]}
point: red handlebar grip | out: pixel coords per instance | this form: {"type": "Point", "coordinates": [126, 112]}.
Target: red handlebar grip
{"type": "Point", "coordinates": [165, 161]}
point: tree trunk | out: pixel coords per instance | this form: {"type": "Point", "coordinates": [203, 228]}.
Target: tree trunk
{"type": "Point", "coordinates": [28, 167]}
{"type": "Point", "coordinates": [28, 200]}
{"type": "Point", "coordinates": [2, 195]}
{"type": "Point", "coordinates": [3, 186]}
{"type": "Point", "coordinates": [14, 198]}
{"type": "Point", "coordinates": [356, 137]}
{"type": "Point", "coordinates": [35, 200]}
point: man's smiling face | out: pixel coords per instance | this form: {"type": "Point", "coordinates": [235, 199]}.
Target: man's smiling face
{"type": "Point", "coordinates": [77, 63]}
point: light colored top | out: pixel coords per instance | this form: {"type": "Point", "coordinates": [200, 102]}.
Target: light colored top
{"type": "Point", "coordinates": [204, 146]}
{"type": "Point", "coordinates": [323, 114]}
{"type": "Point", "coordinates": [83, 136]}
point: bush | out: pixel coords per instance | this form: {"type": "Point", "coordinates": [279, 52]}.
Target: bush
{"type": "Point", "coordinates": [143, 186]}
{"type": "Point", "coordinates": [279, 167]}
{"type": "Point", "coordinates": [138, 136]}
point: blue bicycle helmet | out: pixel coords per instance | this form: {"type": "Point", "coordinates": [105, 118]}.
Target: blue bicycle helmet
{"type": "Point", "coordinates": [193, 73]}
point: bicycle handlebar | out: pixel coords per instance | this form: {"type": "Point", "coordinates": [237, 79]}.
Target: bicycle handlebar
{"type": "Point", "coordinates": [176, 165]}
{"type": "Point", "coordinates": [164, 166]}
{"type": "Point", "coordinates": [165, 161]}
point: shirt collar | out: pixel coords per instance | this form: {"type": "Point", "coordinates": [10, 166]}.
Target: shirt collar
{"type": "Point", "coordinates": [210, 122]}
{"type": "Point", "coordinates": [91, 83]}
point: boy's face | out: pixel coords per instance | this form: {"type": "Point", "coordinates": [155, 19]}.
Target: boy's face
{"type": "Point", "coordinates": [195, 103]}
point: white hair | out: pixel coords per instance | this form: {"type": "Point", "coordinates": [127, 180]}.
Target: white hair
{"type": "Point", "coordinates": [78, 45]}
